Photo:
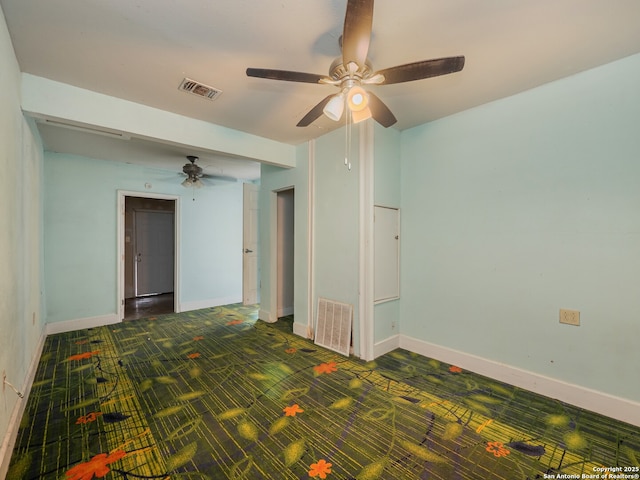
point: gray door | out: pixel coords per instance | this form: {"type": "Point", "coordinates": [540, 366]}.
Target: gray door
{"type": "Point", "coordinates": [154, 248]}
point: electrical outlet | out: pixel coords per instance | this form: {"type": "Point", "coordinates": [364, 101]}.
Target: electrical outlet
{"type": "Point", "coordinates": [570, 317]}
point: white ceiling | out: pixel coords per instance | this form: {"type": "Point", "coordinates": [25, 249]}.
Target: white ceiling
{"type": "Point", "coordinates": [140, 50]}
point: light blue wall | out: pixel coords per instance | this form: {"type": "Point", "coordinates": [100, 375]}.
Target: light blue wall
{"type": "Point", "coordinates": [336, 227]}
{"type": "Point", "coordinates": [80, 233]}
{"type": "Point", "coordinates": [211, 248]}
{"type": "Point", "coordinates": [518, 208]}
{"type": "Point", "coordinates": [21, 321]}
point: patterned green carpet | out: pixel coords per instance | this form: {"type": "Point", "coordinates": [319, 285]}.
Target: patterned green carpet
{"type": "Point", "coordinates": [216, 394]}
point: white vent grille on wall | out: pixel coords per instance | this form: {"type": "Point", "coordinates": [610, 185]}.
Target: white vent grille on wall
{"type": "Point", "coordinates": [333, 325]}
{"type": "Point", "coordinates": [200, 89]}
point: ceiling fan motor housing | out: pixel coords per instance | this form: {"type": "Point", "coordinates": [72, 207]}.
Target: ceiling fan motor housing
{"type": "Point", "coordinates": [340, 72]}
{"type": "Point", "coordinates": [191, 169]}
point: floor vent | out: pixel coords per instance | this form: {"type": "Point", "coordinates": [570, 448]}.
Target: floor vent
{"type": "Point", "coordinates": [333, 325]}
{"type": "Point", "coordinates": [199, 89]}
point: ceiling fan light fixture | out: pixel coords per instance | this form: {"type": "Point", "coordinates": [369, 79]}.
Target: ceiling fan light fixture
{"type": "Point", "coordinates": [187, 182]}
{"type": "Point", "coordinates": [360, 115]}
{"type": "Point", "coordinates": [335, 107]}
{"type": "Point", "coordinates": [192, 182]}
{"type": "Point", "coordinates": [357, 99]}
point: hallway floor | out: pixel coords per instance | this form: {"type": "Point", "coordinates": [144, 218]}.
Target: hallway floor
{"type": "Point", "coordinates": [149, 306]}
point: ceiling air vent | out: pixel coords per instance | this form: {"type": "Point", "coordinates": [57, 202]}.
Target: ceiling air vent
{"type": "Point", "coordinates": [200, 89]}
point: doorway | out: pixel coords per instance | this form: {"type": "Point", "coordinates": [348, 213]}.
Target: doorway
{"type": "Point", "coordinates": [148, 244]}
{"type": "Point", "coordinates": [285, 252]}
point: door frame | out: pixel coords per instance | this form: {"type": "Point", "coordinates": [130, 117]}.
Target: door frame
{"type": "Point", "coordinates": [250, 293]}
{"type": "Point", "coordinates": [120, 214]}
{"type": "Point", "coordinates": [271, 314]}
{"type": "Point", "coordinates": [281, 260]}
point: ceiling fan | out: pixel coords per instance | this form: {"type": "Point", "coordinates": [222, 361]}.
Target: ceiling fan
{"type": "Point", "coordinates": [194, 174]}
{"type": "Point", "coordinates": [353, 70]}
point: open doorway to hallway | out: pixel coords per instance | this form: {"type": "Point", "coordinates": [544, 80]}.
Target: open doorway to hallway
{"type": "Point", "coordinates": [149, 256]}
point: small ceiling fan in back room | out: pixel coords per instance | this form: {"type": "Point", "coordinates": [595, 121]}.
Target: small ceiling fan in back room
{"type": "Point", "coordinates": [195, 174]}
{"type": "Point", "coordinates": [353, 70]}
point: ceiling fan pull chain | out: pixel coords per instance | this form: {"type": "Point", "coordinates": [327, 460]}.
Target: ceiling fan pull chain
{"type": "Point", "coordinates": [346, 139]}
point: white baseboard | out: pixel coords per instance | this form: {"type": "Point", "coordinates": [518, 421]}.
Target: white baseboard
{"type": "Point", "coordinates": [81, 323]}
{"type": "Point", "coordinates": [283, 312]}
{"type": "Point", "coordinates": [209, 303]}
{"type": "Point", "coordinates": [599, 402]}
{"type": "Point", "coordinates": [386, 346]}
{"type": "Point", "coordinates": [265, 316]}
{"type": "Point", "coordinates": [9, 440]}
{"type": "Point", "coordinates": [302, 330]}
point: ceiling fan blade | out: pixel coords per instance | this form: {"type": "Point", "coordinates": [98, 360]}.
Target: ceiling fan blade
{"type": "Point", "coordinates": [356, 34]}
{"type": "Point", "coordinates": [314, 113]}
{"type": "Point", "coordinates": [380, 112]}
{"type": "Point", "coordinates": [420, 70]}
{"type": "Point", "coordinates": [222, 178]}
{"type": "Point", "coordinates": [285, 75]}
